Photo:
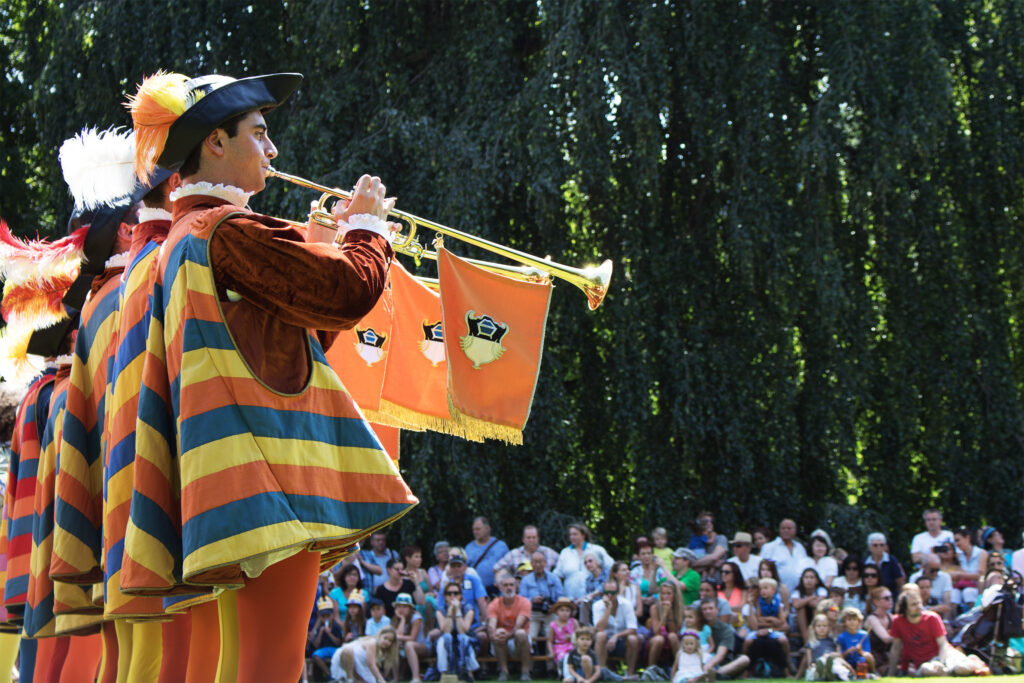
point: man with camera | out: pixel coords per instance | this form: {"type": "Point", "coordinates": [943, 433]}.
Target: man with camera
{"type": "Point", "coordinates": [541, 588]}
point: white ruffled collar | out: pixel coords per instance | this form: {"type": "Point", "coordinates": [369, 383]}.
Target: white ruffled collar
{"type": "Point", "coordinates": [117, 261]}
{"type": "Point", "coordinates": [228, 193]}
{"type": "Point", "coordinates": [63, 360]}
{"type": "Point", "coordinates": [147, 214]}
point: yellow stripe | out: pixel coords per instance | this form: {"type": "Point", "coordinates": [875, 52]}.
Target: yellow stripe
{"type": "Point", "coordinates": [125, 391]}
{"type": "Point", "coordinates": [151, 447]}
{"type": "Point", "coordinates": [67, 624]}
{"type": "Point", "coordinates": [119, 487]}
{"type": "Point", "coordinates": [152, 554]}
{"type": "Point", "coordinates": [217, 456]}
{"type": "Point", "coordinates": [173, 316]}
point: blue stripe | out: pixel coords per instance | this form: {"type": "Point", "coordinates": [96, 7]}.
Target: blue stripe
{"type": "Point", "coordinates": [231, 420]}
{"type": "Point", "coordinates": [72, 520]}
{"type": "Point", "coordinates": [200, 334]}
{"type": "Point", "coordinates": [28, 469]}
{"type": "Point", "coordinates": [16, 585]}
{"type": "Point", "coordinates": [274, 507]}
{"type": "Point", "coordinates": [43, 407]}
{"type": "Point", "coordinates": [78, 437]}
{"type": "Point", "coordinates": [121, 455]}
{"type": "Point", "coordinates": [131, 346]}
{"type": "Point", "coordinates": [39, 616]}
{"type": "Point", "coordinates": [19, 527]}
{"type": "Point", "coordinates": [102, 309]}
{"type": "Point", "coordinates": [154, 412]}
{"type": "Point", "coordinates": [115, 558]}
{"type": "Point", "coordinates": [42, 525]}
{"type": "Point", "coordinates": [149, 517]}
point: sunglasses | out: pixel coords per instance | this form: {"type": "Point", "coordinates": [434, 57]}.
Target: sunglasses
{"type": "Point", "coordinates": [885, 597]}
{"type": "Point", "coordinates": [452, 593]}
{"type": "Point", "coordinates": [610, 592]}
{"type": "Point", "coordinates": [870, 575]}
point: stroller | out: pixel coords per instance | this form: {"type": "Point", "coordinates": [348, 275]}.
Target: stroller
{"type": "Point", "coordinates": [986, 629]}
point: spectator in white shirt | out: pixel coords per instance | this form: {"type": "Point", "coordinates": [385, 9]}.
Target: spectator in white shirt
{"type": "Point", "coordinates": [942, 585]}
{"type": "Point", "coordinates": [615, 624]}
{"type": "Point", "coordinates": [932, 536]}
{"type": "Point", "coordinates": [818, 558]}
{"type": "Point", "coordinates": [742, 544]}
{"type": "Point", "coordinates": [787, 553]}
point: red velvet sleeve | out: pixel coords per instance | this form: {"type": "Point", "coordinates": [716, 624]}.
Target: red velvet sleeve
{"type": "Point", "coordinates": [312, 285]}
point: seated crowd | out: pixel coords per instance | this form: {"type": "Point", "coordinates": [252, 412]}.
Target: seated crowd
{"type": "Point", "coordinates": [752, 605]}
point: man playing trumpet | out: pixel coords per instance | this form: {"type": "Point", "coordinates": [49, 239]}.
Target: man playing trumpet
{"type": "Point", "coordinates": [279, 473]}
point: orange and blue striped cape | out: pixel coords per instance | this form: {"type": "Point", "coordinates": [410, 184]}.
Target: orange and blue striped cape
{"type": "Point", "coordinates": [119, 448]}
{"type": "Point", "coordinates": [7, 625]}
{"type": "Point", "coordinates": [21, 489]}
{"type": "Point", "coordinates": [78, 509]}
{"type": "Point", "coordinates": [263, 474]}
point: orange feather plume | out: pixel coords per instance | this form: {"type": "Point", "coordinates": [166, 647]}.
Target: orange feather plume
{"type": "Point", "coordinates": [160, 100]}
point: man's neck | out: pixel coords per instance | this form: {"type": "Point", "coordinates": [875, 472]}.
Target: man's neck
{"type": "Point", "coordinates": [935, 534]}
{"type": "Point", "coordinates": [483, 541]}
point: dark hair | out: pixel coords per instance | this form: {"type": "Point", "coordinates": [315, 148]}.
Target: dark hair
{"type": "Point", "coordinates": [339, 578]}
{"type": "Point", "coordinates": [965, 532]}
{"type": "Point", "coordinates": [156, 198]}
{"type": "Point", "coordinates": [408, 551]}
{"type": "Point", "coordinates": [769, 563]}
{"type": "Point", "coordinates": [191, 165]}
{"type": "Point", "coordinates": [763, 530]}
{"type": "Point", "coordinates": [800, 583]}
{"type": "Point", "coordinates": [392, 562]}
{"type": "Point", "coordinates": [642, 543]}
{"type": "Point", "coordinates": [701, 621]}
{"type": "Point", "coordinates": [737, 575]}
{"type": "Point", "coordinates": [848, 560]}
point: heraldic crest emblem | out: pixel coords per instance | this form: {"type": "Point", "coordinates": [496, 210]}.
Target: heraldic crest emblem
{"type": "Point", "coordinates": [432, 345]}
{"type": "Point", "coordinates": [370, 345]}
{"type": "Point", "coordinates": [483, 343]}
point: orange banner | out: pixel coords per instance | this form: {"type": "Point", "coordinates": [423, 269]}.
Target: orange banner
{"type": "Point", "coordinates": [494, 338]}
{"type": "Point", "coordinates": [359, 356]}
{"type": "Point", "coordinates": [414, 390]}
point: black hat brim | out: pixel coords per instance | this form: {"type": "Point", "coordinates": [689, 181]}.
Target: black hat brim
{"type": "Point", "coordinates": [219, 105]}
{"type": "Point", "coordinates": [49, 341]}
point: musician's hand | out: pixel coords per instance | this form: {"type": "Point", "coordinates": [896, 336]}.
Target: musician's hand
{"type": "Point", "coordinates": [369, 196]}
{"type": "Point", "coordinates": [316, 232]}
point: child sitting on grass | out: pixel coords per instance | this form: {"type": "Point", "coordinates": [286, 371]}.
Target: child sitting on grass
{"type": "Point", "coordinates": [689, 664]}
{"type": "Point", "coordinates": [580, 664]}
{"type": "Point", "coordinates": [853, 641]}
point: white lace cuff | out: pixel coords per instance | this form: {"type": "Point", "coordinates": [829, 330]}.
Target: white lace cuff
{"type": "Point", "coordinates": [366, 221]}
{"type": "Point", "coordinates": [117, 261]}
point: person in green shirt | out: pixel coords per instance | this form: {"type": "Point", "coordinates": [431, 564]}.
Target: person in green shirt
{"type": "Point", "coordinates": [684, 575]}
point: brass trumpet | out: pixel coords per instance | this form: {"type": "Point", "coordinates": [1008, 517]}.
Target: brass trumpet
{"type": "Point", "coordinates": [592, 280]}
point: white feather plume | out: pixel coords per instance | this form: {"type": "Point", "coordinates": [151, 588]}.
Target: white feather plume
{"type": "Point", "coordinates": [99, 166]}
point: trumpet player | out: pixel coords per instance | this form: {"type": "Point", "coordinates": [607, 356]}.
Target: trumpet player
{"type": "Point", "coordinates": [279, 473]}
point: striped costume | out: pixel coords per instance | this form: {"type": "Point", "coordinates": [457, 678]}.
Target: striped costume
{"type": "Point", "coordinates": [263, 474]}
{"type": "Point", "coordinates": [78, 507]}
{"type": "Point", "coordinates": [21, 489]}
{"type": "Point", "coordinates": [119, 452]}
{"type": "Point", "coordinates": [40, 621]}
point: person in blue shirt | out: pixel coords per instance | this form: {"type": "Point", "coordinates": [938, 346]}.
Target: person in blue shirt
{"type": "Point", "coordinates": [473, 592]}
{"type": "Point", "coordinates": [541, 588]}
{"type": "Point", "coordinates": [374, 559]}
{"type": "Point", "coordinates": [853, 641]}
{"type": "Point", "coordinates": [484, 551]}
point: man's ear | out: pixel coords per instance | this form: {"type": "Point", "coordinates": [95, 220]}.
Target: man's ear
{"type": "Point", "coordinates": [214, 142]}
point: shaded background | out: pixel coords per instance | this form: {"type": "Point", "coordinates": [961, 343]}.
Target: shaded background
{"type": "Point", "coordinates": [814, 209]}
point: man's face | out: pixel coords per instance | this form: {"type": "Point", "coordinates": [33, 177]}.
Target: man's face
{"type": "Point", "coordinates": [539, 563]}
{"type": "Point", "coordinates": [933, 522]}
{"type": "Point", "coordinates": [705, 591]}
{"type": "Point", "coordinates": [480, 530]}
{"type": "Point", "coordinates": [877, 548]}
{"type": "Point", "coordinates": [742, 551]}
{"type": "Point", "coordinates": [508, 588]}
{"type": "Point", "coordinates": [247, 155]}
{"type": "Point", "coordinates": [531, 539]}
{"type": "Point", "coordinates": [457, 570]}
{"type": "Point", "coordinates": [379, 542]}
{"type": "Point", "coordinates": [925, 587]}
{"type": "Point", "coordinates": [706, 524]}
{"type": "Point", "coordinates": [710, 612]}
{"type": "Point", "coordinates": [914, 605]}
{"type": "Point", "coordinates": [787, 530]}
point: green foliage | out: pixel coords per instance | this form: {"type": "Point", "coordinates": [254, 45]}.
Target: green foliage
{"type": "Point", "coordinates": [814, 210]}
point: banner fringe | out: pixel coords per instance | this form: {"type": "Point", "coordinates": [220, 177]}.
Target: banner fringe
{"type": "Point", "coordinates": [428, 422]}
{"type": "Point", "coordinates": [482, 429]}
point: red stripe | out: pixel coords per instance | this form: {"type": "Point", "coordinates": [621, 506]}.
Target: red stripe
{"type": "Point", "coordinates": [218, 392]}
